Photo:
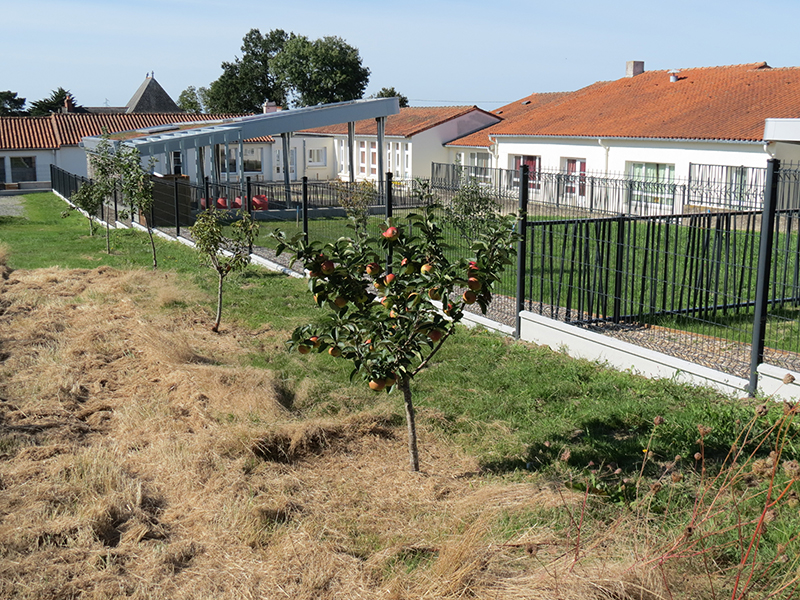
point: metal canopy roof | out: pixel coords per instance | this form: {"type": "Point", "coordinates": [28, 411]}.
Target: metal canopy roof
{"type": "Point", "coordinates": [245, 128]}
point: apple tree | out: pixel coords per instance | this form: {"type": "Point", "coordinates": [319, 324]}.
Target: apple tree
{"type": "Point", "coordinates": [381, 293]}
{"type": "Point", "coordinates": [223, 253]}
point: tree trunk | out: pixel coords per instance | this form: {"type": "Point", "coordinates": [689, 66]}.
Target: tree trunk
{"type": "Point", "coordinates": [215, 328]}
{"type": "Point", "coordinates": [413, 454]}
{"type": "Point", "coordinates": [152, 242]}
{"type": "Point", "coordinates": [108, 238]}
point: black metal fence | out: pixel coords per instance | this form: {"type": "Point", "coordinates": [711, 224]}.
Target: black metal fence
{"type": "Point", "coordinates": [610, 254]}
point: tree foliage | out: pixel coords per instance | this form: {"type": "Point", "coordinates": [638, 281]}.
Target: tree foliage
{"type": "Point", "coordinates": [390, 92]}
{"type": "Point", "coordinates": [190, 101]}
{"type": "Point", "coordinates": [280, 67]}
{"type": "Point", "coordinates": [321, 71]}
{"type": "Point", "coordinates": [247, 82]}
{"type": "Point", "coordinates": [10, 105]}
{"type": "Point", "coordinates": [385, 320]}
{"type": "Point", "coordinates": [471, 209]}
{"type": "Point", "coordinates": [52, 103]}
{"type": "Point", "coordinates": [137, 188]}
{"type": "Point", "coordinates": [224, 254]}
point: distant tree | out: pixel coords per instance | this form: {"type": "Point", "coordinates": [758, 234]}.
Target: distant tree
{"type": "Point", "coordinates": [247, 82]}
{"type": "Point", "coordinates": [223, 253]}
{"type": "Point", "coordinates": [53, 103]}
{"type": "Point", "coordinates": [10, 105]}
{"type": "Point", "coordinates": [190, 101]}
{"type": "Point", "coordinates": [390, 92]}
{"type": "Point", "coordinates": [320, 72]}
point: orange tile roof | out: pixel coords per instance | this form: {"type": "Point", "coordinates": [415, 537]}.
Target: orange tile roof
{"type": "Point", "coordinates": [409, 122]}
{"type": "Point", "coordinates": [27, 133]}
{"type": "Point", "coordinates": [60, 129]}
{"type": "Point", "coordinates": [711, 103]}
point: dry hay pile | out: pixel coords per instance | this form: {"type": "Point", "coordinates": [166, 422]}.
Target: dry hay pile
{"type": "Point", "coordinates": [139, 459]}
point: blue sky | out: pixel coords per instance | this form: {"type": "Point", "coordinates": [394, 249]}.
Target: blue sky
{"type": "Point", "coordinates": [434, 52]}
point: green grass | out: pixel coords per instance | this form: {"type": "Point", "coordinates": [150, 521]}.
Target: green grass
{"type": "Point", "coordinates": [522, 410]}
{"type": "Point", "coordinates": [515, 406]}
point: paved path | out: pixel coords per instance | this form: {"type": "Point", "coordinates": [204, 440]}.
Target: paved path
{"type": "Point", "coordinates": [11, 206]}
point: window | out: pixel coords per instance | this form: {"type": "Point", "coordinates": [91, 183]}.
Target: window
{"type": "Point", "coordinates": [534, 164]}
{"type": "Point", "coordinates": [407, 153]}
{"type": "Point", "coordinates": [373, 158]}
{"type": "Point", "coordinates": [252, 160]}
{"type": "Point", "coordinates": [362, 157]}
{"type": "Point", "coordinates": [576, 173]}
{"type": "Point", "coordinates": [2, 169]}
{"type": "Point", "coordinates": [398, 160]}
{"type": "Point", "coordinates": [343, 156]}
{"type": "Point", "coordinates": [23, 168]}
{"type": "Point", "coordinates": [177, 163]}
{"type": "Point", "coordinates": [230, 166]}
{"type": "Point", "coordinates": [480, 162]}
{"type": "Point", "coordinates": [317, 157]}
{"type": "Point", "coordinates": [653, 182]}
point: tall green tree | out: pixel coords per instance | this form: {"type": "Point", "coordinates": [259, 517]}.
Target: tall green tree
{"type": "Point", "coordinates": [247, 82]}
{"type": "Point", "coordinates": [52, 103]}
{"type": "Point", "coordinates": [190, 101]}
{"type": "Point", "coordinates": [10, 105]}
{"type": "Point", "coordinates": [320, 71]}
{"type": "Point", "coordinates": [390, 92]}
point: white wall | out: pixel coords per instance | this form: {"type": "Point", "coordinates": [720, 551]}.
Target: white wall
{"type": "Point", "coordinates": [610, 155]}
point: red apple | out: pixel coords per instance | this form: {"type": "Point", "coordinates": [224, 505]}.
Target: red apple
{"type": "Point", "coordinates": [389, 279]}
{"type": "Point", "coordinates": [473, 266]}
{"type": "Point", "coordinates": [379, 284]}
{"type": "Point", "coordinates": [434, 294]}
{"type": "Point", "coordinates": [448, 310]}
{"type": "Point", "coordinates": [327, 267]}
{"type": "Point", "coordinates": [426, 269]}
{"type": "Point", "coordinates": [435, 335]}
{"type": "Point", "coordinates": [315, 341]}
{"type": "Point", "coordinates": [304, 349]}
{"type": "Point", "coordinates": [340, 301]}
{"type": "Point", "coordinates": [334, 351]}
{"type": "Point", "coordinates": [377, 384]}
{"type": "Point", "coordinates": [374, 269]}
{"type": "Point", "coordinates": [474, 284]}
{"type": "Point", "coordinates": [391, 233]}
{"type": "Point", "coordinates": [469, 297]}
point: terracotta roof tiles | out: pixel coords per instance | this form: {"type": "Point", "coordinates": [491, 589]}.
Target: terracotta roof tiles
{"type": "Point", "coordinates": [60, 129]}
{"type": "Point", "coordinates": [713, 103]}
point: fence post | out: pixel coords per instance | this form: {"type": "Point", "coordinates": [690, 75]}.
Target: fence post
{"type": "Point", "coordinates": [389, 198]}
{"type": "Point", "coordinates": [618, 269]}
{"type": "Point", "coordinates": [305, 208]}
{"type": "Point", "coordinates": [522, 229]}
{"type": "Point", "coordinates": [208, 198]}
{"type": "Point", "coordinates": [248, 206]}
{"type": "Point", "coordinates": [763, 275]}
{"type": "Point", "coordinates": [177, 208]}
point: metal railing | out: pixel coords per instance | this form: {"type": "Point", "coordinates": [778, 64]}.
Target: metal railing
{"type": "Point", "coordinates": [611, 254]}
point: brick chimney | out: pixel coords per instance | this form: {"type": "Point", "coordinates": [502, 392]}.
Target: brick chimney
{"type": "Point", "coordinates": [634, 67]}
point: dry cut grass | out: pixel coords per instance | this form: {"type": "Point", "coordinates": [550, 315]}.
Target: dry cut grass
{"type": "Point", "coordinates": [140, 459]}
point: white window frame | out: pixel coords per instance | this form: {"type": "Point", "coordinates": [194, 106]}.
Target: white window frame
{"type": "Point", "coordinates": [317, 157]}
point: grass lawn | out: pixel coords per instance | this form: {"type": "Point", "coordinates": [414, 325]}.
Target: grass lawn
{"type": "Point", "coordinates": [654, 452]}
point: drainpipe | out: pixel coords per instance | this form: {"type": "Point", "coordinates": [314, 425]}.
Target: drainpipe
{"type": "Point", "coordinates": [606, 148]}
{"type": "Point", "coordinates": [767, 149]}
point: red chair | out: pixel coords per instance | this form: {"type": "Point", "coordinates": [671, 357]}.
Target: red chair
{"type": "Point", "coordinates": [237, 203]}
{"type": "Point", "coordinates": [203, 204]}
{"type": "Point", "coordinates": [260, 202]}
{"type": "Point", "coordinates": [222, 203]}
